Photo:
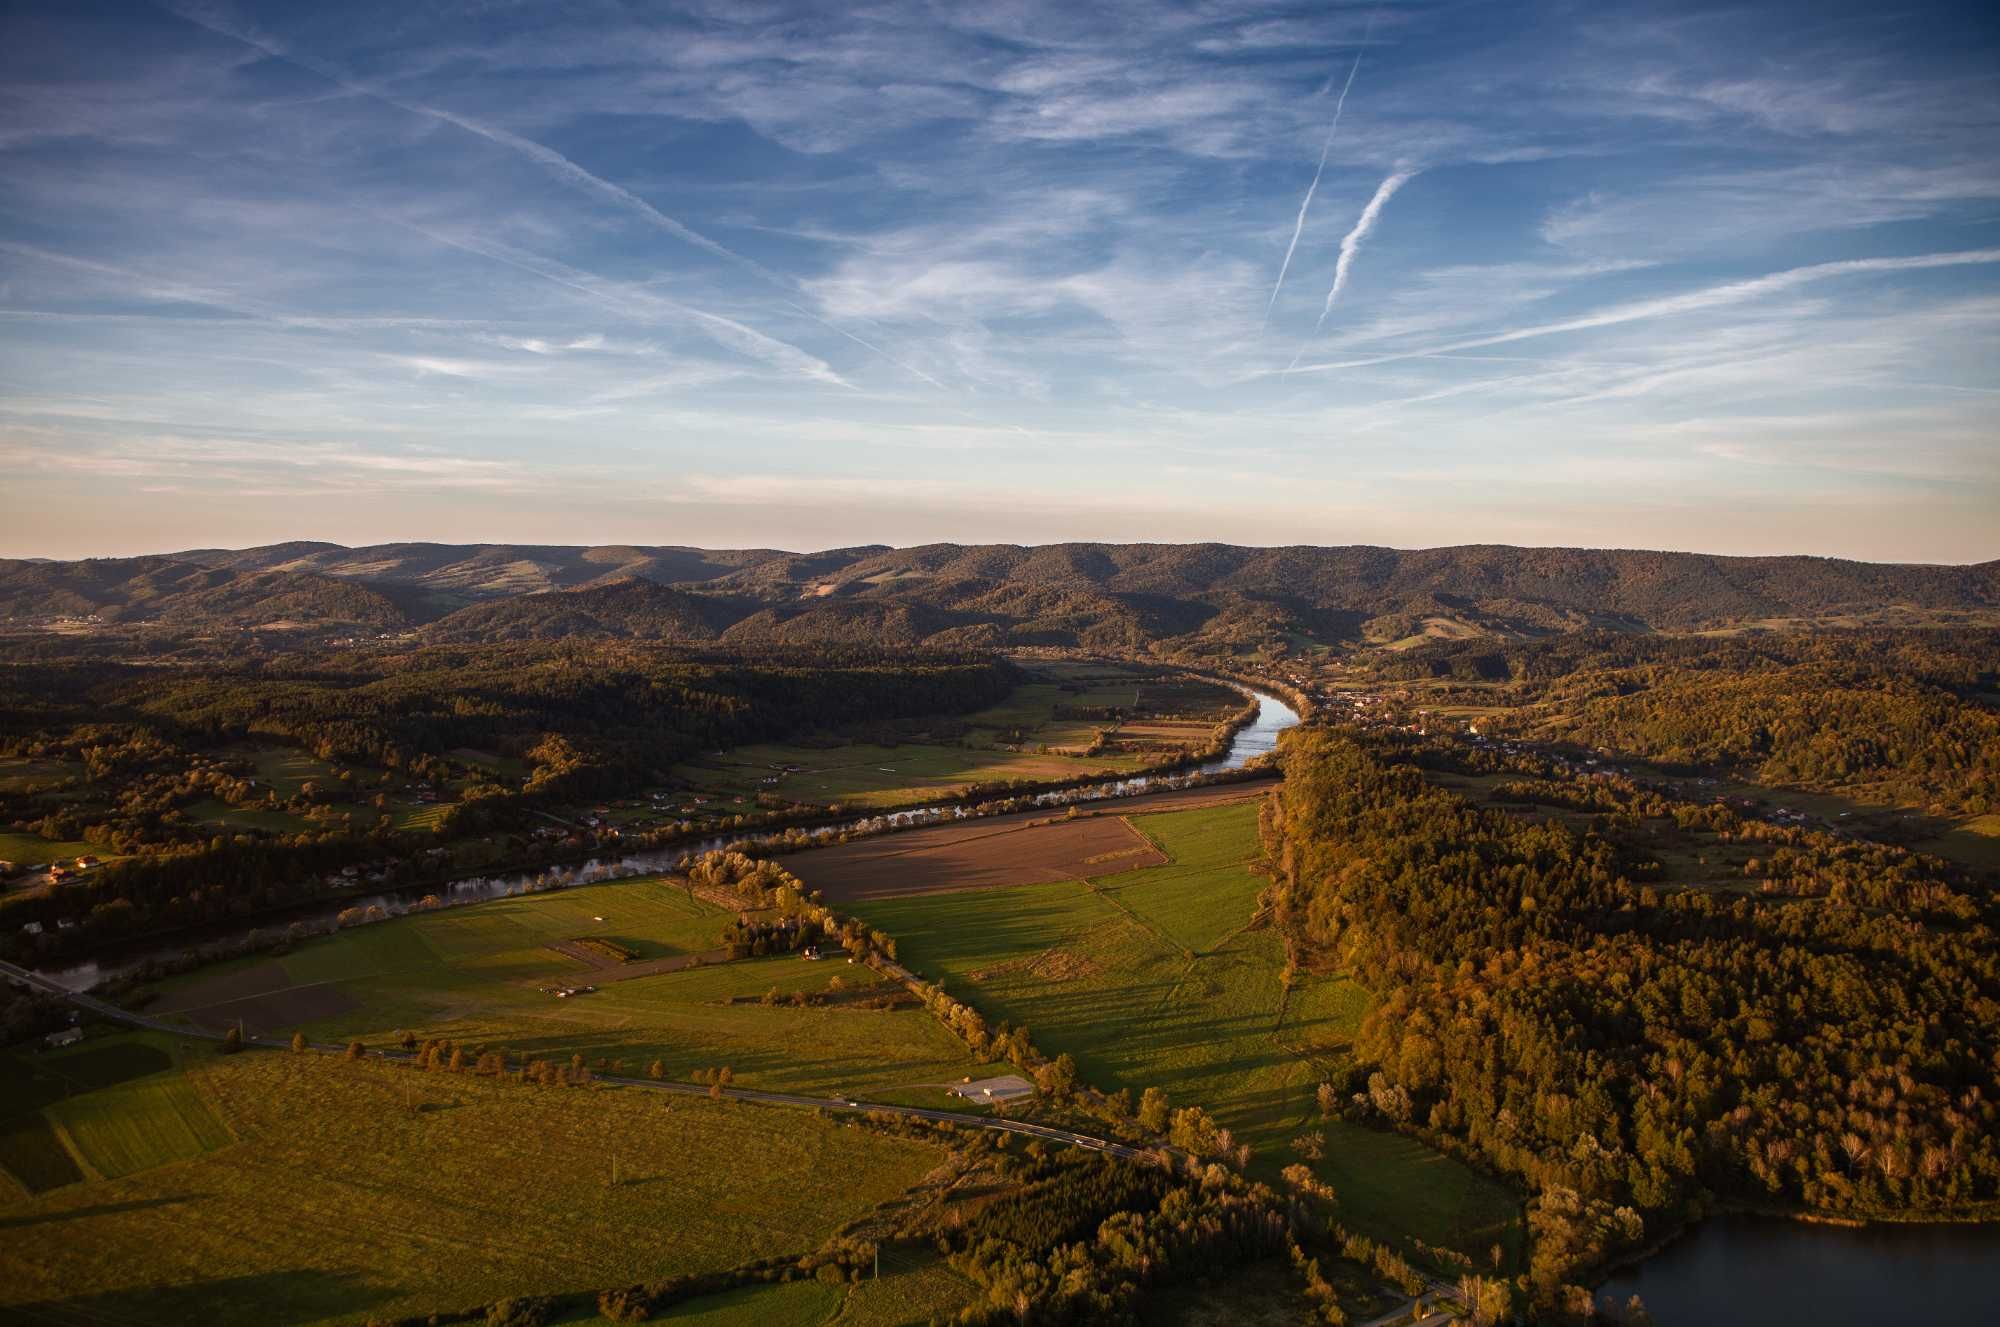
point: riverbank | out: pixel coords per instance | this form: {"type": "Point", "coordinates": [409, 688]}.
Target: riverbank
{"type": "Point", "coordinates": [1255, 735]}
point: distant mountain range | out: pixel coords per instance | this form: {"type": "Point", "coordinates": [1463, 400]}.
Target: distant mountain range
{"type": "Point", "coordinates": [1200, 597]}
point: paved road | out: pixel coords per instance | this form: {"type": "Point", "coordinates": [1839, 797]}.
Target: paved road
{"type": "Point", "coordinates": [91, 1004]}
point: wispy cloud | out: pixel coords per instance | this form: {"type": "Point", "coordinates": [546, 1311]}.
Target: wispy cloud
{"type": "Point", "coordinates": [635, 302]}
{"type": "Point", "coordinates": [558, 165]}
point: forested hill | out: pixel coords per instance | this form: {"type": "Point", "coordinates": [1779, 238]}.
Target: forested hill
{"type": "Point", "coordinates": [1194, 596]}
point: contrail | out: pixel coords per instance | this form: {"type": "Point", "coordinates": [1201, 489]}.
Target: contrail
{"type": "Point", "coordinates": [1350, 245]}
{"type": "Point", "coordinates": [1299, 225]}
{"type": "Point", "coordinates": [1694, 301]}
{"type": "Point", "coordinates": [743, 339]}
{"type": "Point", "coordinates": [550, 160]}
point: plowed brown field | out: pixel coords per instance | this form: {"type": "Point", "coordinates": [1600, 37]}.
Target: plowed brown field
{"type": "Point", "coordinates": [1033, 847]}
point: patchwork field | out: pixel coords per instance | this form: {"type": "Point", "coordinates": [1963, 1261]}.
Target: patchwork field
{"type": "Point", "coordinates": [1163, 977]}
{"type": "Point", "coordinates": [1031, 847]}
{"type": "Point", "coordinates": [107, 1108]}
{"type": "Point", "coordinates": [486, 975]}
{"type": "Point", "coordinates": [337, 1201]}
{"type": "Point", "coordinates": [1039, 848]}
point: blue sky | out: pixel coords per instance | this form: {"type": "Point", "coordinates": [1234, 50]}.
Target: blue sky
{"type": "Point", "coordinates": [1685, 276]}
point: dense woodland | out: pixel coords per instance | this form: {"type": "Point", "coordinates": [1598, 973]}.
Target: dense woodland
{"type": "Point", "coordinates": [1909, 717]}
{"type": "Point", "coordinates": [1635, 1052]}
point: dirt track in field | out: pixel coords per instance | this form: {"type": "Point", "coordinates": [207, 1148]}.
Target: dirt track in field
{"type": "Point", "coordinates": [1029, 848]}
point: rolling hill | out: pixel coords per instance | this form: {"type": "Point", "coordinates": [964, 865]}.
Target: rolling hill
{"type": "Point", "coordinates": [1201, 597]}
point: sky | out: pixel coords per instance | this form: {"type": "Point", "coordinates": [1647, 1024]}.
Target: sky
{"type": "Point", "coordinates": [1713, 277]}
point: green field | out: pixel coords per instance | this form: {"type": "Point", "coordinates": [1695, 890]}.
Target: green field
{"type": "Point", "coordinates": [1159, 978]}
{"type": "Point", "coordinates": [34, 850]}
{"type": "Point", "coordinates": [420, 815]}
{"type": "Point", "coordinates": [878, 776]}
{"type": "Point", "coordinates": [341, 1202]}
{"type": "Point", "coordinates": [211, 812]}
{"type": "Point", "coordinates": [105, 1108]}
{"type": "Point", "coordinates": [473, 974]}
{"type": "Point", "coordinates": [1974, 841]}
{"type": "Point", "coordinates": [1021, 738]}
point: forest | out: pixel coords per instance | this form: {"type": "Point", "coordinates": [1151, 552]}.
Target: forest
{"type": "Point", "coordinates": [1906, 717]}
{"type": "Point", "coordinates": [1635, 1053]}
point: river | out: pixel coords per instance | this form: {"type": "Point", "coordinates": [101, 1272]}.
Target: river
{"type": "Point", "coordinates": [1741, 1271]}
{"type": "Point", "coordinates": [1257, 738]}
{"type": "Point", "coordinates": [1729, 1272]}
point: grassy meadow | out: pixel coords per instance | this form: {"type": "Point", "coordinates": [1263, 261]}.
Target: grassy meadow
{"type": "Point", "coordinates": [329, 1191]}
{"type": "Point", "coordinates": [1162, 977]}
{"type": "Point", "coordinates": [474, 975]}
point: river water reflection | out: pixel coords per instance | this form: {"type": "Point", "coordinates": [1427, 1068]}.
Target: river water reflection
{"type": "Point", "coordinates": [1756, 1271]}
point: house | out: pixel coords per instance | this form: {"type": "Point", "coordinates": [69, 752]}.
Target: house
{"type": "Point", "coordinates": [32, 928]}
{"type": "Point", "coordinates": [66, 1037]}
